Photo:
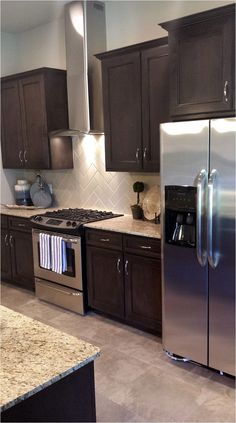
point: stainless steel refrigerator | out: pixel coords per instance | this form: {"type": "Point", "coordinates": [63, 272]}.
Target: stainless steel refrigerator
{"type": "Point", "coordinates": [198, 241]}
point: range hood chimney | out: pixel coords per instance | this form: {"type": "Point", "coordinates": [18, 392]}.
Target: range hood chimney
{"type": "Point", "coordinates": [85, 35]}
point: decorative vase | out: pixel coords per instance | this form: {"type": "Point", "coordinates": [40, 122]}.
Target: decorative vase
{"type": "Point", "coordinates": [137, 211]}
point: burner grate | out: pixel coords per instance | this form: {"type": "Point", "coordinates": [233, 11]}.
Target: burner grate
{"type": "Point", "coordinates": [80, 215]}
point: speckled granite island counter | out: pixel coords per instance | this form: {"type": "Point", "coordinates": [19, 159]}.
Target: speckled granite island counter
{"type": "Point", "coordinates": [46, 375]}
{"type": "Point", "coordinates": [126, 224]}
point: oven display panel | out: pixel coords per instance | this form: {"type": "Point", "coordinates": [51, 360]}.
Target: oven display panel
{"type": "Point", "coordinates": [55, 222]}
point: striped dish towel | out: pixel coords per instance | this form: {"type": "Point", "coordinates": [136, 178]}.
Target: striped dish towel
{"type": "Point", "coordinates": [45, 250]}
{"type": "Point", "coordinates": [58, 254]}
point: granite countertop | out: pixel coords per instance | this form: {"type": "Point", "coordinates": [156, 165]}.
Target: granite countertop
{"type": "Point", "coordinates": [126, 224]}
{"type": "Point", "coordinates": [27, 213]}
{"type": "Point", "coordinates": [34, 355]}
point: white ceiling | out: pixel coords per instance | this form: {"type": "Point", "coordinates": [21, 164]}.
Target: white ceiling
{"type": "Point", "coordinates": [18, 16]}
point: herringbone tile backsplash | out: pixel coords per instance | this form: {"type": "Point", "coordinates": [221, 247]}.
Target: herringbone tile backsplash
{"type": "Point", "coordinates": [88, 185]}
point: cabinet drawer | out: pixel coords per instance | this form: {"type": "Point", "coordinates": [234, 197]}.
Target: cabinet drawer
{"type": "Point", "coordinates": [4, 221]}
{"type": "Point", "coordinates": [20, 224]}
{"type": "Point", "coordinates": [104, 239]}
{"type": "Point", "coordinates": [68, 298]}
{"type": "Point", "coordinates": [142, 245]}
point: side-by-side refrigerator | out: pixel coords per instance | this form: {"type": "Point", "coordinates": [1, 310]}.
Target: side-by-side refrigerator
{"type": "Point", "coordinates": [198, 241]}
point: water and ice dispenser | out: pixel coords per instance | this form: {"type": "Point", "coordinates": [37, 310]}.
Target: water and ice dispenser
{"type": "Point", "coordinates": [180, 215]}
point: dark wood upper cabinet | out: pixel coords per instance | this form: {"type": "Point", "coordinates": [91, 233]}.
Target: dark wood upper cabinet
{"type": "Point", "coordinates": [202, 58]}
{"type": "Point", "coordinates": [11, 126]}
{"type": "Point", "coordinates": [155, 103]}
{"type": "Point", "coordinates": [34, 103]}
{"type": "Point", "coordinates": [122, 105]}
{"type": "Point", "coordinates": [135, 100]}
{"type": "Point", "coordinates": [34, 122]}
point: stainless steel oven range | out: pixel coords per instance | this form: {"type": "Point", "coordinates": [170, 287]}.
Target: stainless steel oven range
{"type": "Point", "coordinates": [66, 289]}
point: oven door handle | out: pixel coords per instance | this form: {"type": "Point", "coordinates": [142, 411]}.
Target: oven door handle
{"type": "Point", "coordinates": [71, 240]}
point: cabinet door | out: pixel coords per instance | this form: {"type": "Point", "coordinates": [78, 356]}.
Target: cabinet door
{"type": "Point", "coordinates": [122, 112]}
{"type": "Point", "coordinates": [155, 103]}
{"type": "Point", "coordinates": [34, 122]}
{"type": "Point", "coordinates": [11, 139]}
{"type": "Point", "coordinates": [143, 291]}
{"type": "Point", "coordinates": [105, 281]}
{"type": "Point", "coordinates": [202, 74]}
{"type": "Point", "coordinates": [22, 259]}
{"type": "Point", "coordinates": [5, 256]}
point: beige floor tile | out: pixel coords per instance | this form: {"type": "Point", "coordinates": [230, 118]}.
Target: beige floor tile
{"type": "Point", "coordinates": [135, 380]}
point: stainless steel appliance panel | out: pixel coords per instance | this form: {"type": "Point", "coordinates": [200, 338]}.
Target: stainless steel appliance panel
{"type": "Point", "coordinates": [184, 152]}
{"type": "Point", "coordinates": [59, 295]}
{"type": "Point", "coordinates": [222, 246]}
{"type": "Point", "coordinates": [74, 244]}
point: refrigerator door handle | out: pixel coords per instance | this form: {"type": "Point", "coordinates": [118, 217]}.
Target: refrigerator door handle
{"type": "Point", "coordinates": [201, 189]}
{"type": "Point", "coordinates": [213, 256]}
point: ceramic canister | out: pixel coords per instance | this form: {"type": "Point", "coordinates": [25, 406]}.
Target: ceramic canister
{"type": "Point", "coordinates": [22, 193]}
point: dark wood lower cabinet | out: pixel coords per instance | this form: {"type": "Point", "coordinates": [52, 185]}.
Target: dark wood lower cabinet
{"type": "Point", "coordinates": [5, 255]}
{"type": "Point", "coordinates": [125, 284]}
{"type": "Point", "coordinates": [22, 259]}
{"type": "Point", "coordinates": [17, 252]}
{"type": "Point", "coordinates": [106, 285]}
{"type": "Point", "coordinates": [71, 399]}
{"type": "Point", "coordinates": [143, 291]}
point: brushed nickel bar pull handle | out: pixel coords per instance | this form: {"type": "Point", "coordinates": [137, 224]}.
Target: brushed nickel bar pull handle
{"type": "Point", "coordinates": [126, 267]}
{"type": "Point", "coordinates": [118, 265]}
{"type": "Point", "coordinates": [213, 256]}
{"type": "Point", "coordinates": [145, 153]}
{"type": "Point", "coordinates": [5, 239]}
{"type": "Point", "coordinates": [105, 239]}
{"type": "Point", "coordinates": [145, 247]}
{"type": "Point", "coordinates": [226, 91]}
{"type": "Point", "coordinates": [11, 241]}
{"type": "Point", "coordinates": [20, 156]}
{"type": "Point", "coordinates": [25, 159]}
{"type": "Point", "coordinates": [201, 185]}
{"type": "Point", "coordinates": [71, 240]}
{"type": "Point", "coordinates": [137, 154]}
{"type": "Point", "coordinates": [21, 224]}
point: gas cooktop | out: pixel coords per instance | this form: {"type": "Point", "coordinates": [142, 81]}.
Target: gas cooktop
{"type": "Point", "coordinates": [69, 220]}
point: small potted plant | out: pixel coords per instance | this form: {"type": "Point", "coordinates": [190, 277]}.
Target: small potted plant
{"type": "Point", "coordinates": [136, 209]}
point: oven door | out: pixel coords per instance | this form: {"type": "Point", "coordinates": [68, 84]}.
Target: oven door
{"type": "Point", "coordinates": [73, 276]}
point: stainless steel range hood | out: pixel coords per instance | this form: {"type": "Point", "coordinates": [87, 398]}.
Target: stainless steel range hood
{"type": "Point", "coordinates": [85, 35]}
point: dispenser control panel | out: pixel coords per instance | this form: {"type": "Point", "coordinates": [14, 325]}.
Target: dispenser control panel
{"type": "Point", "coordinates": [180, 215]}
{"type": "Point", "coordinates": [180, 197]}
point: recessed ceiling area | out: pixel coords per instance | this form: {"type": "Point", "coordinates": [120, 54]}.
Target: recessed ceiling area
{"type": "Point", "coordinates": [19, 16]}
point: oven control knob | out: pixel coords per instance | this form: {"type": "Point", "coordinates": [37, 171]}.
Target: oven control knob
{"type": "Point", "coordinates": [68, 223]}
{"type": "Point", "coordinates": [73, 223]}
{"type": "Point", "coordinates": [38, 218]}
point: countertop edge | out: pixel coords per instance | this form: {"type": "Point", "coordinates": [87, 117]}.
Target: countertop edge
{"type": "Point", "coordinates": [149, 230]}
{"type": "Point", "coordinates": [55, 379]}
{"type": "Point", "coordinates": [128, 232]}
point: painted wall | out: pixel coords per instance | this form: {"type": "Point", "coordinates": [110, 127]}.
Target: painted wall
{"type": "Point", "coordinates": [128, 22]}
{"type": "Point", "coordinates": [39, 47]}
{"type": "Point", "coordinates": [9, 56]}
